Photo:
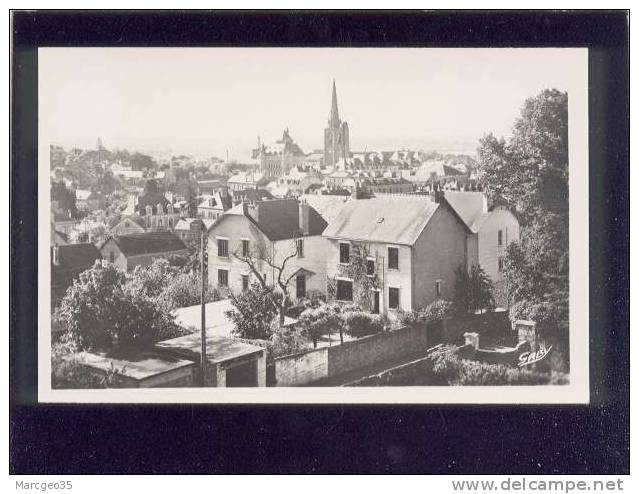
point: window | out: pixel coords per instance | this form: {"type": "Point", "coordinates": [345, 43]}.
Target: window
{"type": "Point", "coordinates": [393, 258]}
{"type": "Point", "coordinates": [222, 277]}
{"type": "Point", "coordinates": [245, 248]}
{"type": "Point", "coordinates": [245, 282]}
{"type": "Point", "coordinates": [112, 257]}
{"type": "Point", "coordinates": [500, 237]}
{"type": "Point", "coordinates": [344, 253]}
{"type": "Point", "coordinates": [301, 286]}
{"type": "Point", "coordinates": [344, 290]}
{"type": "Point", "coordinates": [370, 267]}
{"type": "Point", "coordinates": [500, 264]}
{"type": "Point", "coordinates": [438, 287]}
{"type": "Point", "coordinates": [160, 225]}
{"type": "Point", "coordinates": [300, 247]}
{"type": "Point", "coordinates": [222, 247]}
{"type": "Point", "coordinates": [393, 298]}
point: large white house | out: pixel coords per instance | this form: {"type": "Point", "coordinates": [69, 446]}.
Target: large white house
{"type": "Point", "coordinates": [267, 232]}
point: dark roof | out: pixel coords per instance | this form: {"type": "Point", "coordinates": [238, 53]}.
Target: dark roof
{"type": "Point", "coordinates": [251, 195]}
{"type": "Point", "coordinates": [148, 243]}
{"type": "Point", "coordinates": [279, 219]}
{"type": "Point", "coordinates": [77, 256]}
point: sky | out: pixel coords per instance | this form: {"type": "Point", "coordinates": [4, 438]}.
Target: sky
{"type": "Point", "coordinates": [210, 101]}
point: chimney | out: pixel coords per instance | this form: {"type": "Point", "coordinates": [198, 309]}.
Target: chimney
{"type": "Point", "coordinates": [303, 217]}
{"type": "Point", "coordinates": [55, 255]}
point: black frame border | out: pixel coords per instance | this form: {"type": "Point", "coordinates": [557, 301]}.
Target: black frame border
{"type": "Point", "coordinates": [127, 439]}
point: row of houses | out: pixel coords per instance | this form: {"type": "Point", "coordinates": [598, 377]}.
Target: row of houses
{"type": "Point", "coordinates": [410, 245]}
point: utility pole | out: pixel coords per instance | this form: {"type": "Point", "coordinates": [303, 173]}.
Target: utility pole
{"type": "Point", "coordinates": [203, 263]}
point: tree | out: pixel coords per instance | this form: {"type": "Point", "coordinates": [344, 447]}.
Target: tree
{"type": "Point", "coordinates": [254, 311]}
{"type": "Point", "coordinates": [530, 170]}
{"type": "Point", "coordinates": [259, 255]}
{"type": "Point", "coordinates": [183, 290]}
{"type": "Point", "coordinates": [529, 173]}
{"type": "Point", "coordinates": [57, 156]}
{"type": "Point", "coordinates": [473, 290]}
{"type": "Point", "coordinates": [65, 198]}
{"type": "Point", "coordinates": [320, 321]}
{"type": "Point", "coordinates": [103, 310]}
{"type": "Point", "coordinates": [141, 161]}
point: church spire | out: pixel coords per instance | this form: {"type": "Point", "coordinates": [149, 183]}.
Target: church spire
{"type": "Point", "coordinates": [334, 111]}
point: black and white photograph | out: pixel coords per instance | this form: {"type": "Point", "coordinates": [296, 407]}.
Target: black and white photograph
{"type": "Point", "coordinates": [319, 242]}
{"type": "Point", "coordinates": [369, 220]}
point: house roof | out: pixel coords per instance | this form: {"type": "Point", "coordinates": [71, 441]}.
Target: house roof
{"type": "Point", "coordinates": [135, 218]}
{"type": "Point", "coordinates": [245, 177]}
{"type": "Point", "coordinates": [216, 201]}
{"type": "Point", "coordinates": [77, 256]}
{"type": "Point", "coordinates": [397, 220]}
{"type": "Point", "coordinates": [278, 219]}
{"type": "Point", "coordinates": [148, 243]}
{"type": "Point", "coordinates": [328, 206]}
{"type": "Point", "coordinates": [218, 349]}
{"type": "Point", "coordinates": [138, 365]}
{"type": "Point", "coordinates": [468, 205]}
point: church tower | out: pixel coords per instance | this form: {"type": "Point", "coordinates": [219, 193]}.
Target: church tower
{"type": "Point", "coordinates": [336, 142]}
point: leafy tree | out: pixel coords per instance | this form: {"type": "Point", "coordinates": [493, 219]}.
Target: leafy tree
{"type": "Point", "coordinates": [64, 197]}
{"type": "Point", "coordinates": [287, 341]}
{"type": "Point", "coordinates": [473, 290]}
{"type": "Point", "coordinates": [529, 173]}
{"type": "Point", "coordinates": [57, 156]}
{"type": "Point", "coordinates": [322, 320]}
{"type": "Point", "coordinates": [260, 254]}
{"type": "Point", "coordinates": [530, 170]}
{"type": "Point", "coordinates": [141, 161]}
{"type": "Point", "coordinates": [254, 311]}
{"type": "Point", "coordinates": [183, 290]}
{"type": "Point", "coordinates": [103, 310]}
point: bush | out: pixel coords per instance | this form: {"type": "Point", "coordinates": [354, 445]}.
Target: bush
{"type": "Point", "coordinates": [324, 319]}
{"type": "Point", "coordinates": [360, 323]}
{"type": "Point", "coordinates": [287, 341]}
{"type": "Point", "coordinates": [436, 311]}
{"type": "Point", "coordinates": [451, 369]}
{"type": "Point", "coordinates": [104, 309]}
{"type": "Point", "coordinates": [68, 373]}
{"type": "Point", "coordinates": [254, 312]}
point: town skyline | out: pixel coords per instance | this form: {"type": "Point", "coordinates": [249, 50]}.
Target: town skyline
{"type": "Point", "coordinates": [165, 97]}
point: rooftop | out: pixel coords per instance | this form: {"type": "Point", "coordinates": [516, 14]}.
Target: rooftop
{"type": "Point", "coordinates": [139, 364]}
{"type": "Point", "coordinates": [279, 219]}
{"type": "Point", "coordinates": [470, 206]}
{"type": "Point", "coordinates": [218, 349]}
{"type": "Point", "coordinates": [77, 256]}
{"type": "Point", "coordinates": [379, 220]}
{"type": "Point", "coordinates": [148, 243]}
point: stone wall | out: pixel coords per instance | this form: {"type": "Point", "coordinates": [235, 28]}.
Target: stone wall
{"type": "Point", "coordinates": [311, 366]}
{"type": "Point", "coordinates": [301, 368]}
{"type": "Point", "coordinates": [375, 348]}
